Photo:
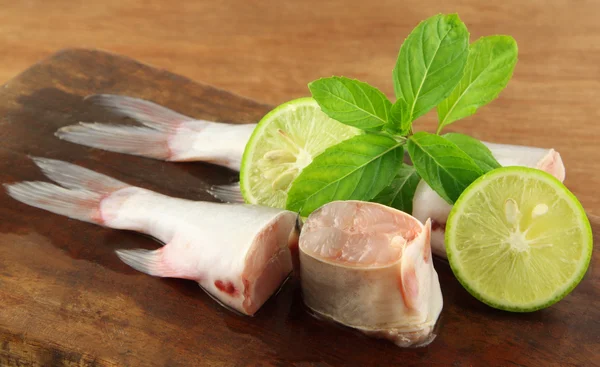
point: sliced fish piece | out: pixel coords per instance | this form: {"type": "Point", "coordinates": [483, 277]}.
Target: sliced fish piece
{"type": "Point", "coordinates": [239, 254]}
{"type": "Point", "coordinates": [428, 204]}
{"type": "Point", "coordinates": [369, 267]}
{"type": "Point", "coordinates": [166, 134]}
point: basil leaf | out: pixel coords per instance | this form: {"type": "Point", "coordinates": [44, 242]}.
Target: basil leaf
{"type": "Point", "coordinates": [431, 62]}
{"type": "Point", "coordinates": [489, 67]}
{"type": "Point", "coordinates": [442, 164]}
{"type": "Point", "coordinates": [399, 194]}
{"type": "Point", "coordinates": [400, 122]}
{"type": "Point", "coordinates": [351, 102]}
{"type": "Point", "coordinates": [475, 149]}
{"type": "Point", "coordinates": [355, 169]}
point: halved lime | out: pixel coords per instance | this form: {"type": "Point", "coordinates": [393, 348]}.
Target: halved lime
{"type": "Point", "coordinates": [518, 240]}
{"type": "Point", "coordinates": [284, 142]}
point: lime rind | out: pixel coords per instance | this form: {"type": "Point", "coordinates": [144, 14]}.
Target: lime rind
{"type": "Point", "coordinates": [252, 141]}
{"type": "Point", "coordinates": [285, 141]}
{"type": "Point", "coordinates": [474, 288]}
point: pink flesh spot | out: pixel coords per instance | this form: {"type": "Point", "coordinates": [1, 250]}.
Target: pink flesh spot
{"type": "Point", "coordinates": [553, 164]}
{"type": "Point", "coordinates": [427, 245]}
{"type": "Point", "coordinates": [409, 287]}
{"type": "Point", "coordinates": [97, 216]}
{"type": "Point", "coordinates": [226, 287]}
{"type": "Point", "coordinates": [110, 204]}
{"type": "Point", "coordinates": [171, 135]}
{"type": "Point", "coordinates": [435, 225]}
{"type": "Point", "coordinates": [353, 232]}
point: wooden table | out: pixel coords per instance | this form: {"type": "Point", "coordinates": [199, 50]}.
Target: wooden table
{"type": "Point", "coordinates": [66, 300]}
{"type": "Point", "coordinates": [270, 50]}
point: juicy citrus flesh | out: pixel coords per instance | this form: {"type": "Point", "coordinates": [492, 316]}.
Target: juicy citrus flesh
{"type": "Point", "coordinates": [518, 239]}
{"type": "Point", "coordinates": [284, 142]}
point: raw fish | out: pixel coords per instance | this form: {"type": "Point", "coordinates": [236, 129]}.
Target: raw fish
{"type": "Point", "coordinates": [166, 134]}
{"type": "Point", "coordinates": [369, 267]}
{"type": "Point", "coordinates": [239, 254]}
{"type": "Point", "coordinates": [171, 136]}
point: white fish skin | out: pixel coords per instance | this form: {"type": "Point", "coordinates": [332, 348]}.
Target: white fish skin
{"type": "Point", "coordinates": [239, 254]}
{"type": "Point", "coordinates": [369, 267]}
{"type": "Point", "coordinates": [167, 135]}
{"type": "Point", "coordinates": [428, 204]}
{"type": "Point", "coordinates": [544, 159]}
{"type": "Point", "coordinates": [171, 136]}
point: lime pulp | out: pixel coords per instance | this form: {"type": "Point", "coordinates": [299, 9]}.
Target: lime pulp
{"type": "Point", "coordinates": [518, 240]}
{"type": "Point", "coordinates": [284, 142]}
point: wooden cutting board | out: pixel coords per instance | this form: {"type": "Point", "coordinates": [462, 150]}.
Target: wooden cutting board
{"type": "Point", "coordinates": [66, 299]}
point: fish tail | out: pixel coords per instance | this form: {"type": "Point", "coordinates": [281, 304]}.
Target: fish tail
{"type": "Point", "coordinates": [148, 113]}
{"type": "Point", "coordinates": [76, 204]}
{"type": "Point", "coordinates": [151, 141]}
{"type": "Point", "coordinates": [76, 177]}
{"type": "Point", "coordinates": [79, 196]}
{"type": "Point", "coordinates": [135, 140]}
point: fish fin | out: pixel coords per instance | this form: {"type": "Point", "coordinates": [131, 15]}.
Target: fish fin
{"type": "Point", "coordinates": [146, 112]}
{"type": "Point", "coordinates": [77, 204]}
{"type": "Point", "coordinates": [151, 262]}
{"type": "Point", "coordinates": [135, 140]}
{"type": "Point", "coordinates": [79, 196]}
{"type": "Point", "coordinates": [75, 177]}
{"type": "Point", "coordinates": [146, 261]}
{"type": "Point", "coordinates": [227, 193]}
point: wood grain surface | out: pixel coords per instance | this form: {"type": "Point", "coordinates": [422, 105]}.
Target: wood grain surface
{"type": "Point", "coordinates": [66, 299]}
{"type": "Point", "coordinates": [269, 51]}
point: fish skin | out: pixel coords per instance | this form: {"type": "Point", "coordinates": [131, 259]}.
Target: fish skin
{"type": "Point", "coordinates": [548, 160]}
{"type": "Point", "coordinates": [239, 254]}
{"type": "Point", "coordinates": [199, 140]}
{"type": "Point", "coordinates": [171, 136]}
{"type": "Point", "coordinates": [166, 135]}
{"type": "Point", "coordinates": [399, 299]}
{"type": "Point", "coordinates": [428, 204]}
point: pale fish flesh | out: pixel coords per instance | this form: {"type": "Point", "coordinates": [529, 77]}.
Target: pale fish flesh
{"type": "Point", "coordinates": [369, 267]}
{"type": "Point", "coordinates": [427, 204]}
{"type": "Point", "coordinates": [239, 254]}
